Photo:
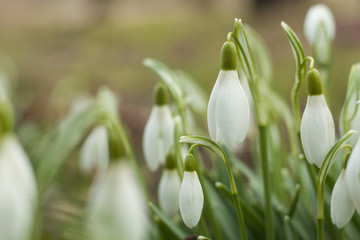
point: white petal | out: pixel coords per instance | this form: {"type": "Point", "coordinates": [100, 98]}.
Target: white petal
{"type": "Point", "coordinates": [316, 15]}
{"type": "Point", "coordinates": [17, 190]}
{"type": "Point", "coordinates": [317, 129]}
{"type": "Point", "coordinates": [232, 110]}
{"type": "Point", "coordinates": [352, 175]}
{"type": "Point", "coordinates": [191, 199]}
{"type": "Point", "coordinates": [158, 136]}
{"type": "Point", "coordinates": [213, 128]}
{"type": "Point", "coordinates": [117, 208]}
{"type": "Point", "coordinates": [341, 206]}
{"type": "Point", "coordinates": [94, 153]}
{"type": "Point", "coordinates": [169, 189]}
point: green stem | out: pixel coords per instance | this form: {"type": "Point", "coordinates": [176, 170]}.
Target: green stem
{"type": "Point", "coordinates": [320, 229]}
{"type": "Point", "coordinates": [263, 132]}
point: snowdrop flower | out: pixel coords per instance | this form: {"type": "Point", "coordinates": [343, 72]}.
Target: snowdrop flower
{"type": "Point", "coordinates": [228, 112]}
{"type": "Point", "coordinates": [17, 190]}
{"type": "Point", "coordinates": [350, 113]}
{"type": "Point", "coordinates": [317, 125]}
{"type": "Point", "coordinates": [317, 16]}
{"type": "Point", "coordinates": [94, 154]}
{"type": "Point", "coordinates": [169, 188]}
{"type": "Point", "coordinates": [191, 199]}
{"type": "Point", "coordinates": [352, 175]}
{"type": "Point", "coordinates": [341, 204]}
{"type": "Point", "coordinates": [117, 208]}
{"type": "Point", "coordinates": [159, 131]}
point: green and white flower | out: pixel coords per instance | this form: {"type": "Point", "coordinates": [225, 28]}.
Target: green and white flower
{"type": "Point", "coordinates": [228, 113]}
{"type": "Point", "coordinates": [159, 131]}
{"type": "Point", "coordinates": [317, 124]}
{"type": "Point", "coordinates": [352, 175]}
{"type": "Point", "coordinates": [341, 205]}
{"type": "Point", "coordinates": [191, 199]}
{"type": "Point", "coordinates": [18, 191]}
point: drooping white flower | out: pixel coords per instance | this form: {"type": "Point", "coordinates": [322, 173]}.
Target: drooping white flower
{"type": "Point", "coordinates": [317, 125]}
{"type": "Point", "coordinates": [317, 16]}
{"type": "Point", "coordinates": [341, 205]}
{"type": "Point", "coordinates": [352, 175]}
{"type": "Point", "coordinates": [169, 189]}
{"type": "Point", "coordinates": [191, 199]}
{"type": "Point", "coordinates": [116, 207]}
{"type": "Point", "coordinates": [228, 112]}
{"type": "Point", "coordinates": [94, 154]}
{"type": "Point", "coordinates": [17, 191]}
{"type": "Point", "coordinates": [159, 132]}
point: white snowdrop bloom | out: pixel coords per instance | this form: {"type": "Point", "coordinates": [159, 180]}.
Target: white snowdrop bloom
{"type": "Point", "coordinates": [341, 204]}
{"type": "Point", "coordinates": [228, 112]}
{"type": "Point", "coordinates": [352, 175]}
{"type": "Point", "coordinates": [116, 207]}
{"type": "Point", "coordinates": [191, 199]}
{"type": "Point", "coordinates": [159, 131]}
{"type": "Point", "coordinates": [169, 188]}
{"type": "Point", "coordinates": [316, 16]}
{"type": "Point", "coordinates": [317, 125]}
{"type": "Point", "coordinates": [94, 154]}
{"type": "Point", "coordinates": [18, 191]}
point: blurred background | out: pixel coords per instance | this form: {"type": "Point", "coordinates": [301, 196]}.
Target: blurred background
{"type": "Point", "coordinates": [63, 49]}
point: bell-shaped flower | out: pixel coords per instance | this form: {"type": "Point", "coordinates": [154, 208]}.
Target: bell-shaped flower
{"type": "Point", "coordinates": [350, 113]}
{"type": "Point", "coordinates": [191, 199]}
{"type": "Point", "coordinates": [116, 207]}
{"type": "Point", "coordinates": [317, 124]}
{"type": "Point", "coordinates": [94, 154]}
{"type": "Point", "coordinates": [228, 112]}
{"type": "Point", "coordinates": [319, 16]}
{"type": "Point", "coordinates": [159, 131]}
{"type": "Point", "coordinates": [352, 175]}
{"type": "Point", "coordinates": [17, 190]}
{"type": "Point", "coordinates": [169, 188]}
{"type": "Point", "coordinates": [341, 204]}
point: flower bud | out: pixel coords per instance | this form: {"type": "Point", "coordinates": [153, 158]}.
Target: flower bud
{"type": "Point", "coordinates": [352, 174]}
{"type": "Point", "coordinates": [191, 199]}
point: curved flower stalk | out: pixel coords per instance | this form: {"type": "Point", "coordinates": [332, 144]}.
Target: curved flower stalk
{"type": "Point", "coordinates": [159, 131]}
{"type": "Point", "coordinates": [352, 175]}
{"type": "Point", "coordinates": [169, 188]}
{"type": "Point", "coordinates": [319, 16]}
{"type": "Point", "coordinates": [94, 154]}
{"type": "Point", "coordinates": [317, 125]}
{"type": "Point", "coordinates": [341, 205]}
{"type": "Point", "coordinates": [228, 113]}
{"type": "Point", "coordinates": [116, 207]}
{"type": "Point", "coordinates": [18, 190]}
{"type": "Point", "coordinates": [191, 199]}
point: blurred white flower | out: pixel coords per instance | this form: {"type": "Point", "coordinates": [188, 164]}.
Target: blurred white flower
{"type": "Point", "coordinates": [18, 191]}
{"type": "Point", "coordinates": [117, 208]}
{"type": "Point", "coordinates": [317, 124]}
{"type": "Point", "coordinates": [159, 133]}
{"type": "Point", "coordinates": [341, 204]}
{"type": "Point", "coordinates": [228, 112]}
{"type": "Point", "coordinates": [169, 189]}
{"type": "Point", "coordinates": [94, 154]}
{"type": "Point", "coordinates": [317, 16]}
{"type": "Point", "coordinates": [352, 175]}
{"type": "Point", "coordinates": [191, 199]}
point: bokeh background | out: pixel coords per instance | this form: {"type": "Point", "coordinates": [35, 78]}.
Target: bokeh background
{"type": "Point", "coordinates": [63, 49]}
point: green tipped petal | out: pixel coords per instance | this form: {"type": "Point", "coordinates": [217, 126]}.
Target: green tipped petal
{"type": "Point", "coordinates": [228, 56]}
{"type": "Point", "coordinates": [314, 82]}
{"type": "Point", "coordinates": [190, 163]}
{"type": "Point", "coordinates": [160, 95]}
